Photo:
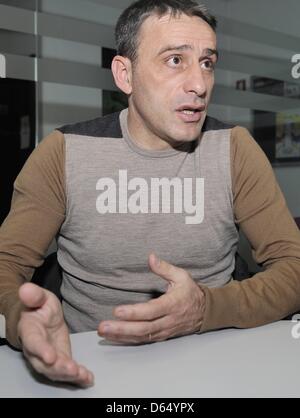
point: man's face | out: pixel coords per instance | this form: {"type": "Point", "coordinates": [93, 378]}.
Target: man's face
{"type": "Point", "coordinates": [172, 80]}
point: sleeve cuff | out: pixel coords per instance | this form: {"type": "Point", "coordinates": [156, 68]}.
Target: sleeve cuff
{"type": "Point", "coordinates": [12, 315]}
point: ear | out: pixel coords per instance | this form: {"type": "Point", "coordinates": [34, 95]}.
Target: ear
{"type": "Point", "coordinates": [122, 71]}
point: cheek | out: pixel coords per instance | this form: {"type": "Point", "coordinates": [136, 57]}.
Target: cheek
{"type": "Point", "coordinates": [210, 82]}
{"type": "Point", "coordinates": [167, 88]}
{"type": "Point", "coordinates": [154, 88]}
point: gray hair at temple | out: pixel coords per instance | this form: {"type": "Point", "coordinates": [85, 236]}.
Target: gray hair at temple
{"type": "Point", "coordinates": [131, 20]}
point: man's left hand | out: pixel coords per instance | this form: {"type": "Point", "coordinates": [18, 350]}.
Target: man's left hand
{"type": "Point", "coordinates": [178, 312]}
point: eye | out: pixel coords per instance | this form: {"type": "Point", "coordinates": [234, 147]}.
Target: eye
{"type": "Point", "coordinates": [174, 61]}
{"type": "Point", "coordinates": [208, 65]}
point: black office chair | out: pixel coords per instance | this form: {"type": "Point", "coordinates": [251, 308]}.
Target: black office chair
{"type": "Point", "coordinates": [49, 275]}
{"type": "Point", "coordinates": [241, 271]}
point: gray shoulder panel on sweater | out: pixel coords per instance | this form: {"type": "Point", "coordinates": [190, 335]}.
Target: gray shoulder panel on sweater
{"type": "Point", "coordinates": [212, 124]}
{"type": "Point", "coordinates": [107, 127]}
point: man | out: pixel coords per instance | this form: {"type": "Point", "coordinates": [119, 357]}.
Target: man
{"type": "Point", "coordinates": [139, 269]}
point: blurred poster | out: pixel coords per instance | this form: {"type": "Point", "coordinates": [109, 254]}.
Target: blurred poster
{"type": "Point", "coordinates": [287, 136]}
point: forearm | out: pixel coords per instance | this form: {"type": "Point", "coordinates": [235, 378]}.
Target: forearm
{"type": "Point", "coordinates": [266, 297]}
{"type": "Point", "coordinates": [10, 305]}
{"type": "Point", "coordinates": [24, 240]}
{"type": "Point", "coordinates": [36, 215]}
{"type": "Point", "coordinates": [261, 212]}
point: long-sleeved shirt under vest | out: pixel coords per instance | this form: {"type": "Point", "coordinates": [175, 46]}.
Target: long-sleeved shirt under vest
{"type": "Point", "coordinates": [110, 203]}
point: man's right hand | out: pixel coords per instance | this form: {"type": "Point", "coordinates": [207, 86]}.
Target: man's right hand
{"type": "Point", "coordinates": [45, 338]}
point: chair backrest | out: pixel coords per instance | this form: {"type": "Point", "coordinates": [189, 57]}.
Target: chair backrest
{"type": "Point", "coordinates": [241, 271]}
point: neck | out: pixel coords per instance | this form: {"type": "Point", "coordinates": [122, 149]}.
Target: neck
{"type": "Point", "coordinates": [143, 137]}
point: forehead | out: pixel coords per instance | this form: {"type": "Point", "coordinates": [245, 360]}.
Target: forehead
{"type": "Point", "coordinates": [157, 31]}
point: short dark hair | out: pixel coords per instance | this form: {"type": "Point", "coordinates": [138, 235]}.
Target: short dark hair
{"type": "Point", "coordinates": [131, 20]}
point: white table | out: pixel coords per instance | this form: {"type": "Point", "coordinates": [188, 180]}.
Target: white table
{"type": "Point", "coordinates": [230, 363]}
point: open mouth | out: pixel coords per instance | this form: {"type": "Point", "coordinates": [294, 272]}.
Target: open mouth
{"type": "Point", "coordinates": [190, 114]}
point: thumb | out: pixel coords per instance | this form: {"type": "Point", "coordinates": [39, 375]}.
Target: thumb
{"type": "Point", "coordinates": [32, 296]}
{"type": "Point", "coordinates": [166, 270]}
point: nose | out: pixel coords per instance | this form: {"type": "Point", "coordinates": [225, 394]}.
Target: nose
{"type": "Point", "coordinates": [194, 81]}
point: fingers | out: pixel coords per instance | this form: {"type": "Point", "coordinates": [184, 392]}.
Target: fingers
{"type": "Point", "coordinates": [159, 307]}
{"type": "Point", "coordinates": [177, 312]}
{"type": "Point", "coordinates": [45, 338]}
{"type": "Point", "coordinates": [54, 363]}
{"type": "Point", "coordinates": [35, 344]}
{"type": "Point", "coordinates": [147, 311]}
{"type": "Point", "coordinates": [136, 332]}
{"type": "Point", "coordinates": [166, 270]}
{"type": "Point", "coordinates": [63, 370]}
{"type": "Point", "coordinates": [32, 296]}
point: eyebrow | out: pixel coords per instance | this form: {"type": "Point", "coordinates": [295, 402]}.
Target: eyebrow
{"type": "Point", "coordinates": [208, 52]}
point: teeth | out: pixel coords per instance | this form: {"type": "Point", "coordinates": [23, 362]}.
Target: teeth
{"type": "Point", "coordinates": [188, 112]}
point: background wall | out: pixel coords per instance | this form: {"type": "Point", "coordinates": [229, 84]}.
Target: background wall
{"type": "Point", "coordinates": [61, 104]}
{"type": "Point", "coordinates": [283, 18]}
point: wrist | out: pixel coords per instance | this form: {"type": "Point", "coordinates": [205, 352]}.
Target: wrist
{"type": "Point", "coordinates": [202, 307]}
{"type": "Point", "coordinates": [11, 310]}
